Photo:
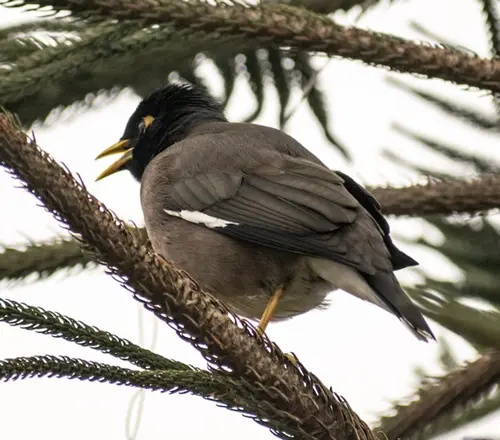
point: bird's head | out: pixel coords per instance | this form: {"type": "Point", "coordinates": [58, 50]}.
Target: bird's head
{"type": "Point", "coordinates": [160, 120]}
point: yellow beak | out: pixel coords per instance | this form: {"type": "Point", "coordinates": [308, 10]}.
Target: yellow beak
{"type": "Point", "coordinates": [119, 147]}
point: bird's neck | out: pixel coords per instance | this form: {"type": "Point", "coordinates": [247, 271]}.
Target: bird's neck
{"type": "Point", "coordinates": [180, 124]}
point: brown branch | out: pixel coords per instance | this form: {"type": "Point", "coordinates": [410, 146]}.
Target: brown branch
{"type": "Point", "coordinates": [297, 28]}
{"type": "Point", "coordinates": [329, 6]}
{"type": "Point", "coordinates": [442, 197]}
{"type": "Point", "coordinates": [436, 197]}
{"type": "Point", "coordinates": [443, 397]}
{"type": "Point", "coordinates": [297, 402]}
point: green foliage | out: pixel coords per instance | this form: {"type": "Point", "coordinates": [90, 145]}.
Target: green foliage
{"type": "Point", "coordinates": [41, 260]}
{"type": "Point", "coordinates": [81, 69]}
{"type": "Point", "coordinates": [472, 244]}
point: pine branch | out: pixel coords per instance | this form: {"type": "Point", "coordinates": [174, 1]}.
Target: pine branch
{"type": "Point", "coordinates": [301, 406]}
{"type": "Point", "coordinates": [218, 388]}
{"type": "Point", "coordinates": [61, 326]}
{"type": "Point", "coordinates": [485, 407]}
{"type": "Point", "coordinates": [294, 27]}
{"type": "Point", "coordinates": [436, 197]}
{"type": "Point", "coordinates": [89, 66]}
{"type": "Point", "coordinates": [442, 197]}
{"type": "Point", "coordinates": [89, 37]}
{"type": "Point", "coordinates": [86, 84]}
{"type": "Point", "coordinates": [443, 397]}
{"type": "Point", "coordinates": [42, 259]}
{"type": "Point", "coordinates": [110, 43]}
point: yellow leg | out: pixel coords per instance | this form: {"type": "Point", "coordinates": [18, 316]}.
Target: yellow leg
{"type": "Point", "coordinates": [268, 315]}
{"type": "Point", "coordinates": [269, 311]}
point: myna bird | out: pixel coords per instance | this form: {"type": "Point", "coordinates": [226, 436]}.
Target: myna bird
{"type": "Point", "coordinates": [253, 216]}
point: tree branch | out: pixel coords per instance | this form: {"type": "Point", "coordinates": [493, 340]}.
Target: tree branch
{"type": "Point", "coordinates": [442, 197]}
{"type": "Point", "coordinates": [83, 70]}
{"type": "Point", "coordinates": [61, 326]}
{"type": "Point", "coordinates": [221, 389]}
{"type": "Point", "coordinates": [238, 393]}
{"type": "Point", "coordinates": [42, 259]}
{"type": "Point", "coordinates": [298, 400]}
{"type": "Point", "coordinates": [93, 62]}
{"type": "Point", "coordinates": [297, 28]}
{"type": "Point", "coordinates": [487, 406]}
{"type": "Point", "coordinates": [443, 397]}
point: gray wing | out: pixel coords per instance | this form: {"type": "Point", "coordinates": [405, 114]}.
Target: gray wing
{"type": "Point", "coordinates": [301, 207]}
{"type": "Point", "coordinates": [296, 206]}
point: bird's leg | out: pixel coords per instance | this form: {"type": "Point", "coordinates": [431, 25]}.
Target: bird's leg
{"type": "Point", "coordinates": [269, 311]}
{"type": "Point", "coordinates": [268, 315]}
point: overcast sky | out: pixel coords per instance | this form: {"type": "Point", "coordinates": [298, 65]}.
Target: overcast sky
{"type": "Point", "coordinates": [365, 354]}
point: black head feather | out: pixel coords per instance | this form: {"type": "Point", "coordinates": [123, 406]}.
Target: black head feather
{"type": "Point", "coordinates": [176, 109]}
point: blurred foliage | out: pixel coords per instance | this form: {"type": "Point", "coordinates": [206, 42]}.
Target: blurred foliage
{"type": "Point", "coordinates": [470, 307]}
{"type": "Point", "coordinates": [137, 60]}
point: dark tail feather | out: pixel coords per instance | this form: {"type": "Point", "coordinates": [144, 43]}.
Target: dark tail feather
{"type": "Point", "coordinates": [398, 258]}
{"type": "Point", "coordinates": [388, 289]}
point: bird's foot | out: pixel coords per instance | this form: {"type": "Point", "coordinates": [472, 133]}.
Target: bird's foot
{"type": "Point", "coordinates": [290, 356]}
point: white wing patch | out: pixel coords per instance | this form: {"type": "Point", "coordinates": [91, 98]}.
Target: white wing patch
{"type": "Point", "coordinates": [200, 218]}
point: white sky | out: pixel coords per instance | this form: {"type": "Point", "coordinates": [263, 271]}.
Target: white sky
{"type": "Point", "coordinates": [365, 354]}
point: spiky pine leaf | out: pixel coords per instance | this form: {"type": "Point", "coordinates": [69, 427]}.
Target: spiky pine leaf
{"type": "Point", "coordinates": [189, 75]}
{"type": "Point", "coordinates": [488, 405]}
{"type": "Point", "coordinates": [256, 80]}
{"type": "Point", "coordinates": [450, 152]}
{"type": "Point", "coordinates": [431, 35]}
{"type": "Point", "coordinates": [447, 358]}
{"type": "Point", "coordinates": [227, 69]}
{"type": "Point", "coordinates": [19, 40]}
{"type": "Point", "coordinates": [492, 24]}
{"type": "Point", "coordinates": [316, 100]}
{"type": "Point", "coordinates": [477, 326]}
{"type": "Point", "coordinates": [282, 80]}
{"type": "Point", "coordinates": [464, 244]}
{"type": "Point", "coordinates": [401, 161]}
{"type": "Point", "coordinates": [473, 118]}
